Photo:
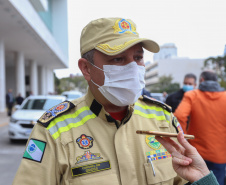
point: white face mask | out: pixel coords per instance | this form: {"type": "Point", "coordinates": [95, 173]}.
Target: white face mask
{"type": "Point", "coordinates": [123, 84]}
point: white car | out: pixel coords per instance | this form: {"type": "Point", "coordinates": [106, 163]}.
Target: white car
{"type": "Point", "coordinates": [71, 95]}
{"type": "Point", "coordinates": [23, 119]}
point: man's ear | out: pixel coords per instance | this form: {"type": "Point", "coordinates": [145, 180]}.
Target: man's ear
{"type": "Point", "coordinates": [83, 65]}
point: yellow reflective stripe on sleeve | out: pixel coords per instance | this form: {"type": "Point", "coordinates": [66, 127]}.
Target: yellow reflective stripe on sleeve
{"type": "Point", "coordinates": [66, 122]}
{"type": "Point", "coordinates": [146, 111]}
{"type": "Point", "coordinates": [64, 117]}
{"type": "Point", "coordinates": [152, 108]}
{"type": "Point", "coordinates": [149, 115]}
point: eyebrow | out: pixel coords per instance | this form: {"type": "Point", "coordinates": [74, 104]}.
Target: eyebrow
{"type": "Point", "coordinates": [140, 51]}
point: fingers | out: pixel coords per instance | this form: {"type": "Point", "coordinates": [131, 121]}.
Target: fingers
{"type": "Point", "coordinates": [181, 161]}
{"type": "Point", "coordinates": [184, 142]}
{"type": "Point", "coordinates": [179, 148]}
{"type": "Point", "coordinates": [169, 144]}
{"type": "Point", "coordinates": [176, 150]}
{"type": "Point", "coordinates": [166, 144]}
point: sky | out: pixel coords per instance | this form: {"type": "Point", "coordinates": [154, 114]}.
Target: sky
{"type": "Point", "coordinates": [196, 27]}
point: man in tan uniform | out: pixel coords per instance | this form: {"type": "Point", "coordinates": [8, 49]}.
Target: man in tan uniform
{"type": "Point", "coordinates": [93, 140]}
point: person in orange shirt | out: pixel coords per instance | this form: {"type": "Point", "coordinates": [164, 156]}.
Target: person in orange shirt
{"type": "Point", "coordinates": [206, 107]}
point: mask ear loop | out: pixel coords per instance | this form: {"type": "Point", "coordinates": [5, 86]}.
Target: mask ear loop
{"type": "Point", "coordinates": [99, 69]}
{"type": "Point", "coordinates": [95, 83]}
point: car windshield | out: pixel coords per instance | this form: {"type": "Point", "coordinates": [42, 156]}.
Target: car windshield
{"type": "Point", "coordinates": [41, 104]}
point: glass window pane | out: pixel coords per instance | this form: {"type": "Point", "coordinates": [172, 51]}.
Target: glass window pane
{"type": "Point", "coordinates": [50, 103]}
{"type": "Point", "coordinates": [34, 104]}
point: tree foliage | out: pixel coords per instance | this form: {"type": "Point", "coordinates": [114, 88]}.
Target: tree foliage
{"type": "Point", "coordinates": [77, 82]}
{"type": "Point", "coordinates": [218, 64]}
{"type": "Point", "coordinates": [165, 84]}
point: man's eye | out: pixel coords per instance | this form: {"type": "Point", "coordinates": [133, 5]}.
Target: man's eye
{"type": "Point", "coordinates": [117, 59]}
{"type": "Point", "coordinates": [138, 58]}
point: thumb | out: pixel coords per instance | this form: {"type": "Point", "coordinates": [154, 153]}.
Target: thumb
{"type": "Point", "coordinates": [184, 142]}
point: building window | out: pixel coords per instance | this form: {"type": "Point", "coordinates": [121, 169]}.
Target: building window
{"type": "Point", "coordinates": [27, 80]}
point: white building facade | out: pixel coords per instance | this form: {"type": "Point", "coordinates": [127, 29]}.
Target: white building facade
{"type": "Point", "coordinates": [33, 42]}
{"type": "Point", "coordinates": [167, 63]}
{"type": "Point", "coordinates": [224, 50]}
{"type": "Point", "coordinates": [176, 67]}
{"type": "Point", "coordinates": [168, 50]}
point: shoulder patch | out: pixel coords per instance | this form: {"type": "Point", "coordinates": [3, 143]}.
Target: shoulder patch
{"type": "Point", "coordinates": [157, 102]}
{"type": "Point", "coordinates": [54, 112]}
{"type": "Point", "coordinates": [177, 125]}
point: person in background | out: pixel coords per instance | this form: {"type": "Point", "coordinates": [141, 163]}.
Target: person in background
{"type": "Point", "coordinates": [165, 95]}
{"type": "Point", "coordinates": [31, 93]}
{"type": "Point", "coordinates": [9, 101]}
{"type": "Point", "coordinates": [19, 99]}
{"type": "Point", "coordinates": [206, 107]}
{"type": "Point", "coordinates": [187, 162]}
{"type": "Point", "coordinates": [175, 98]}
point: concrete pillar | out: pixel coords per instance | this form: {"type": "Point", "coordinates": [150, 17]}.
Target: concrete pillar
{"type": "Point", "coordinates": [50, 81]}
{"type": "Point", "coordinates": [2, 76]}
{"type": "Point", "coordinates": [20, 74]}
{"type": "Point", "coordinates": [43, 83]}
{"type": "Point", "coordinates": [34, 77]}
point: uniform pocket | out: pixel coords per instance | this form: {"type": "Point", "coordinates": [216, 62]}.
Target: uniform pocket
{"type": "Point", "coordinates": [163, 124]}
{"type": "Point", "coordinates": [98, 178]}
{"type": "Point", "coordinates": [164, 171]}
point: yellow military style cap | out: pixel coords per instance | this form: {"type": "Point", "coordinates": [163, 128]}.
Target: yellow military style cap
{"type": "Point", "coordinates": [112, 36]}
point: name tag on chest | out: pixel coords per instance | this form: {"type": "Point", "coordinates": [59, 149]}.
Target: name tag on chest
{"type": "Point", "coordinates": [91, 168]}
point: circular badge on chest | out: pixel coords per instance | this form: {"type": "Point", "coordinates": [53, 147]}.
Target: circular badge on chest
{"type": "Point", "coordinates": [152, 142]}
{"type": "Point", "coordinates": [84, 142]}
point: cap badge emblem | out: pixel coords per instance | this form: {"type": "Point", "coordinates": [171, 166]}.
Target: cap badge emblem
{"type": "Point", "coordinates": [124, 26]}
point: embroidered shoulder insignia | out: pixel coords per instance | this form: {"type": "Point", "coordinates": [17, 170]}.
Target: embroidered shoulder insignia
{"type": "Point", "coordinates": [54, 112]}
{"type": "Point", "coordinates": [157, 102]}
{"type": "Point", "coordinates": [177, 125]}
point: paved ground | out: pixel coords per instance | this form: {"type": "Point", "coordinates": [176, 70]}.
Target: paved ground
{"type": "Point", "coordinates": [10, 153]}
{"type": "Point", "coordinates": [4, 119]}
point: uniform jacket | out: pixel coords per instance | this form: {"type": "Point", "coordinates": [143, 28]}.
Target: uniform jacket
{"type": "Point", "coordinates": [206, 107]}
{"type": "Point", "coordinates": [174, 99]}
{"type": "Point", "coordinates": [83, 144]}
